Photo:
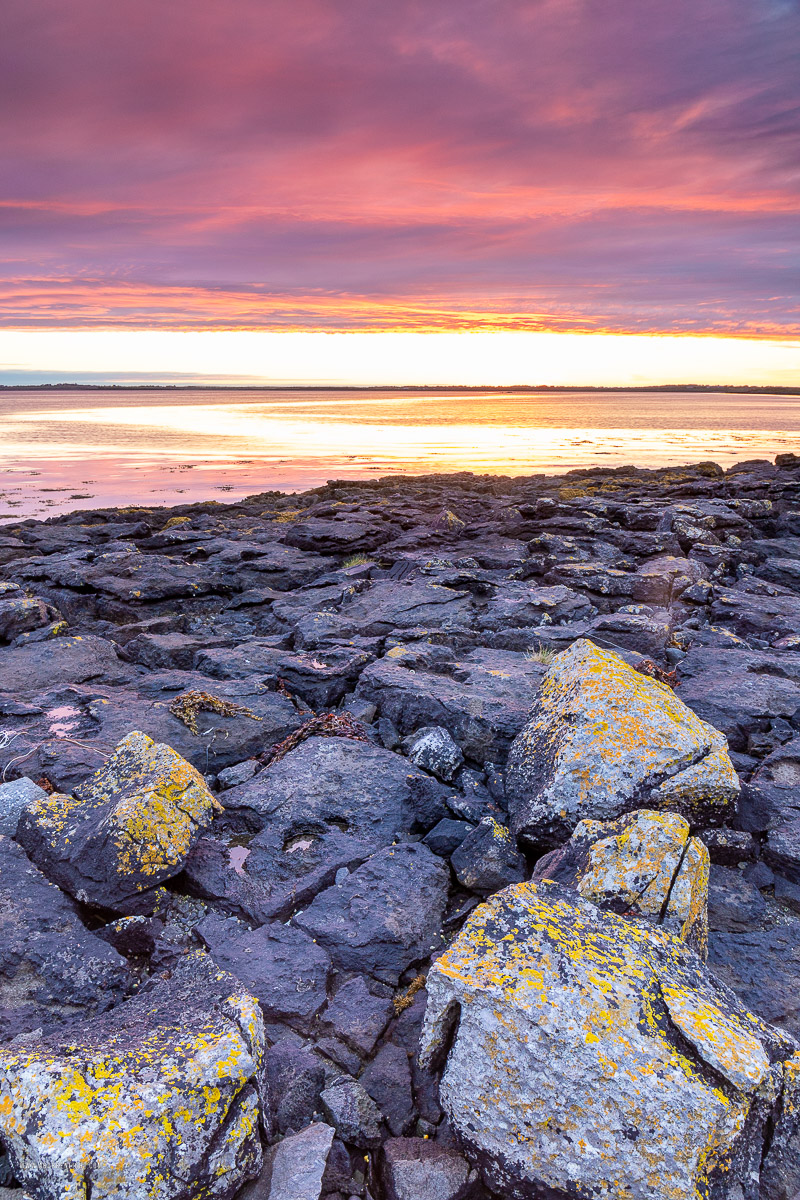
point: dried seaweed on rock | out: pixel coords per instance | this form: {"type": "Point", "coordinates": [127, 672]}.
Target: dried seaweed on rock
{"type": "Point", "coordinates": [325, 725]}
{"type": "Point", "coordinates": [187, 705]}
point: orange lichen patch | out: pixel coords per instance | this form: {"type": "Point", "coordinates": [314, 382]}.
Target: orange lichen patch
{"type": "Point", "coordinates": [566, 1038]}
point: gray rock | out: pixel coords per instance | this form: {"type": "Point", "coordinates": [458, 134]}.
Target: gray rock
{"type": "Point", "coordinates": [28, 669]}
{"type": "Point", "coordinates": [447, 836]}
{"type": "Point", "coordinates": [763, 968]}
{"type": "Point", "coordinates": [563, 1025]}
{"type": "Point", "coordinates": [128, 828]}
{"type": "Point", "coordinates": [14, 797]}
{"type": "Point", "coordinates": [296, 1078]}
{"type": "Point", "coordinates": [781, 850]}
{"type": "Point", "coordinates": [239, 773]}
{"type": "Point", "coordinates": [299, 1163]}
{"type": "Point", "coordinates": [734, 904]}
{"type": "Point", "coordinates": [358, 1017]}
{"type": "Point", "coordinates": [487, 859]}
{"type": "Point", "coordinates": [387, 1079]}
{"type": "Point", "coordinates": [353, 1114]}
{"type": "Point", "coordinates": [385, 607]}
{"type": "Point", "coordinates": [181, 1066]}
{"type": "Point", "coordinates": [415, 1169]}
{"type": "Point", "coordinates": [604, 739]}
{"type": "Point", "coordinates": [279, 964]}
{"type": "Point", "coordinates": [52, 970]}
{"type": "Point", "coordinates": [385, 916]}
{"type": "Point", "coordinates": [434, 750]}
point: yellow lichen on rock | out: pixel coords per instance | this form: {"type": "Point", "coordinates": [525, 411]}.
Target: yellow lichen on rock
{"type": "Point", "coordinates": [567, 1071]}
{"type": "Point", "coordinates": [159, 1098]}
{"type": "Point", "coordinates": [604, 739]}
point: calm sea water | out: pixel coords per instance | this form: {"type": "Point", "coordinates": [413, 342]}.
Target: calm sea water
{"type": "Point", "coordinates": [76, 449]}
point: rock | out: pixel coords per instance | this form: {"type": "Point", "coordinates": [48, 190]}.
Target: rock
{"type": "Point", "coordinates": [279, 964]}
{"type": "Point", "coordinates": [385, 916]}
{"type": "Point", "coordinates": [387, 1079]}
{"type": "Point", "coordinates": [14, 797]}
{"type": "Point", "coordinates": [434, 750]}
{"type": "Point", "coordinates": [296, 1078]}
{"type": "Point", "coordinates": [415, 1169]}
{"type": "Point", "coordinates": [734, 904]}
{"type": "Point", "coordinates": [575, 1029]}
{"type": "Point", "coordinates": [385, 607]}
{"type": "Point", "coordinates": [487, 859]}
{"type": "Point", "coordinates": [353, 1114]}
{"type": "Point", "coordinates": [299, 1164]}
{"type": "Point", "coordinates": [21, 614]}
{"type": "Point", "coordinates": [176, 1068]}
{"type": "Point", "coordinates": [447, 836]}
{"type": "Point", "coordinates": [358, 1017]}
{"type": "Point", "coordinates": [52, 970]}
{"type": "Point", "coordinates": [127, 829]}
{"type": "Point", "coordinates": [321, 678]}
{"type": "Point", "coordinates": [780, 1171]}
{"type": "Point", "coordinates": [604, 739]}
{"type": "Point", "coordinates": [239, 773]}
{"type": "Point", "coordinates": [484, 708]}
{"type": "Point", "coordinates": [782, 850]}
{"type": "Point", "coordinates": [28, 669]}
{"type": "Point", "coordinates": [763, 968]}
{"type": "Point", "coordinates": [729, 847]}
{"type": "Point", "coordinates": [645, 865]}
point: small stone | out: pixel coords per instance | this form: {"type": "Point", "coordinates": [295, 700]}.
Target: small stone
{"type": "Point", "coordinates": [296, 1078]}
{"type": "Point", "coordinates": [354, 1115]}
{"type": "Point", "coordinates": [433, 749]}
{"type": "Point", "coordinates": [387, 1079]}
{"type": "Point", "coordinates": [14, 797]}
{"type": "Point", "coordinates": [239, 773]}
{"type": "Point", "coordinates": [299, 1163]}
{"type": "Point", "coordinates": [419, 1169]}
{"type": "Point", "coordinates": [487, 859]}
{"type": "Point", "coordinates": [447, 836]}
{"type": "Point", "coordinates": [358, 1017]}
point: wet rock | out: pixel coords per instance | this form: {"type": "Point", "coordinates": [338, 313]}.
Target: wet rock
{"type": "Point", "coordinates": [384, 916]}
{"type": "Point", "coordinates": [14, 797]}
{"type": "Point", "coordinates": [645, 865]}
{"type": "Point", "coordinates": [279, 964]}
{"type": "Point", "coordinates": [358, 1017]}
{"type": "Point", "coordinates": [434, 750]}
{"type": "Point", "coordinates": [296, 1078]}
{"type": "Point", "coordinates": [177, 1066]}
{"type": "Point", "coordinates": [487, 859]}
{"type": "Point", "coordinates": [127, 828]}
{"type": "Point", "coordinates": [415, 1169]}
{"type": "Point", "coordinates": [299, 1163]}
{"type": "Point", "coordinates": [387, 1079]}
{"type": "Point", "coordinates": [604, 739]}
{"type": "Point", "coordinates": [564, 1017]}
{"type": "Point", "coordinates": [52, 970]}
{"type": "Point", "coordinates": [734, 904]}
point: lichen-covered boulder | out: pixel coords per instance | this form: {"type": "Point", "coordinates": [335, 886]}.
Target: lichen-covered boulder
{"type": "Point", "coordinates": [644, 864]}
{"type": "Point", "coordinates": [597, 1057]}
{"type": "Point", "coordinates": [160, 1098]}
{"type": "Point", "coordinates": [126, 829]}
{"type": "Point", "coordinates": [604, 739]}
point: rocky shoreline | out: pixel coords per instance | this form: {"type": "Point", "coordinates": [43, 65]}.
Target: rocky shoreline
{"type": "Point", "coordinates": [421, 839]}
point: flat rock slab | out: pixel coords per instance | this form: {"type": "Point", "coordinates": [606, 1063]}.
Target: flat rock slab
{"type": "Point", "coordinates": [177, 1066]}
{"type": "Point", "coordinates": [603, 739]}
{"type": "Point", "coordinates": [58, 661]}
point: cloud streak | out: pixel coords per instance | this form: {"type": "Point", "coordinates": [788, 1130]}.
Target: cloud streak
{"type": "Point", "coordinates": [342, 164]}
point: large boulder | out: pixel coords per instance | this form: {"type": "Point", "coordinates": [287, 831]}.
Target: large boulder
{"type": "Point", "coordinates": [161, 1097]}
{"type": "Point", "coordinates": [604, 739]}
{"type": "Point", "coordinates": [594, 1056]}
{"type": "Point", "coordinates": [126, 829]}
{"type": "Point", "coordinates": [644, 864]}
{"type": "Point", "coordinates": [52, 969]}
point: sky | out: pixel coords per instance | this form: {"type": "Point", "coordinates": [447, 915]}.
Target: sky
{"type": "Point", "coordinates": [359, 167]}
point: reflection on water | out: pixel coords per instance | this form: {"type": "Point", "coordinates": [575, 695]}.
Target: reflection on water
{"type": "Point", "coordinates": [77, 449]}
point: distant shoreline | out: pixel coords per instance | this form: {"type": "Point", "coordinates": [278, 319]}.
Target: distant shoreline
{"type": "Point", "coordinates": [519, 388]}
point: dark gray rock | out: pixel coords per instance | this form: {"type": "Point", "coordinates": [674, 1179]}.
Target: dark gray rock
{"type": "Point", "coordinates": [52, 970]}
{"type": "Point", "coordinates": [320, 678]}
{"type": "Point", "coordinates": [295, 1078]}
{"type": "Point", "coordinates": [387, 1079]}
{"type": "Point", "coordinates": [25, 670]}
{"type": "Point", "coordinates": [353, 1114]}
{"type": "Point", "coordinates": [358, 1017]}
{"type": "Point", "coordinates": [487, 859]}
{"type": "Point", "coordinates": [734, 904]}
{"type": "Point", "coordinates": [385, 607]}
{"type": "Point", "coordinates": [782, 850]}
{"type": "Point", "coordinates": [385, 916]}
{"type": "Point", "coordinates": [447, 836]}
{"type": "Point", "coordinates": [763, 968]}
{"type": "Point", "coordinates": [279, 964]}
{"type": "Point", "coordinates": [14, 797]}
{"type": "Point", "coordinates": [729, 847]}
{"type": "Point", "coordinates": [238, 773]}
